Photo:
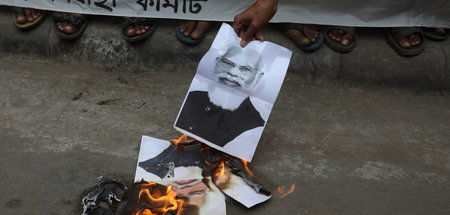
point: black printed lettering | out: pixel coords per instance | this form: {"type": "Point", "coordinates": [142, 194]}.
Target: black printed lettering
{"type": "Point", "coordinates": [102, 5]}
{"type": "Point", "coordinates": [174, 6]}
{"type": "Point", "coordinates": [197, 6]}
{"type": "Point", "coordinates": [152, 3]}
{"type": "Point", "coordinates": [143, 4]}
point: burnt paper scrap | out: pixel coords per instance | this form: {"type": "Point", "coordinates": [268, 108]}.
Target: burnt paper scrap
{"type": "Point", "coordinates": [234, 178]}
{"type": "Point", "coordinates": [232, 94]}
{"type": "Point", "coordinates": [104, 198]}
{"type": "Point", "coordinates": [195, 168]}
{"type": "Point", "coordinates": [161, 162]}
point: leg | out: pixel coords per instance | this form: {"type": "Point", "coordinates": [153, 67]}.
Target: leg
{"type": "Point", "coordinates": [26, 18]}
{"type": "Point", "coordinates": [408, 41]}
{"type": "Point", "coordinates": [192, 32]}
{"type": "Point", "coordinates": [341, 38]}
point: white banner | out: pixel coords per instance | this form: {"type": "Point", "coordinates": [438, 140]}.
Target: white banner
{"type": "Point", "coordinates": [379, 13]}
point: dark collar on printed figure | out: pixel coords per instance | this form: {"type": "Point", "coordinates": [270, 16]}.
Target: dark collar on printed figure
{"type": "Point", "coordinates": [171, 158]}
{"type": "Point", "coordinates": [201, 117]}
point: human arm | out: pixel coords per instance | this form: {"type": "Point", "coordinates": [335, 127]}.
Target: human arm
{"type": "Point", "coordinates": [247, 24]}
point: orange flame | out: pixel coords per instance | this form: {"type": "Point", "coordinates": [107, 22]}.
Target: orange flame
{"type": "Point", "coordinates": [250, 173]}
{"type": "Point", "coordinates": [182, 139]}
{"type": "Point", "coordinates": [167, 199]}
{"type": "Point", "coordinates": [220, 169]}
{"type": "Point", "coordinates": [283, 193]}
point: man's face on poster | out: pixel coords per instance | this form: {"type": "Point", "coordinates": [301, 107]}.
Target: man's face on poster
{"type": "Point", "coordinates": [195, 190]}
{"type": "Point", "coordinates": [238, 68]}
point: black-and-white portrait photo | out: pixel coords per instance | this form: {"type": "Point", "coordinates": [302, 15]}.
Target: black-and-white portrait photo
{"type": "Point", "coordinates": [232, 94]}
{"type": "Point", "coordinates": [212, 114]}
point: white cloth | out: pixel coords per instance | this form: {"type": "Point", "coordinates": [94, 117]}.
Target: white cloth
{"type": "Point", "coordinates": [379, 13]}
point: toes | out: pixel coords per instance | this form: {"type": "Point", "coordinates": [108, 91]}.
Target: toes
{"type": "Point", "coordinates": [414, 39]}
{"type": "Point", "coordinates": [20, 18]}
{"type": "Point", "coordinates": [143, 29]}
{"type": "Point", "coordinates": [33, 14]}
{"type": "Point", "coordinates": [28, 15]}
{"type": "Point", "coordinates": [138, 30]}
{"type": "Point", "coordinates": [311, 38]}
{"type": "Point", "coordinates": [196, 34]}
{"type": "Point", "coordinates": [440, 31]}
{"type": "Point", "coordinates": [183, 25]}
{"type": "Point", "coordinates": [130, 31]}
{"type": "Point", "coordinates": [310, 32]}
{"type": "Point", "coordinates": [346, 39]}
{"type": "Point", "coordinates": [333, 34]}
{"type": "Point", "coordinates": [339, 35]}
{"type": "Point", "coordinates": [70, 29]}
{"type": "Point", "coordinates": [186, 27]}
{"type": "Point", "coordinates": [298, 37]}
{"type": "Point", "coordinates": [200, 30]}
{"type": "Point", "coordinates": [61, 25]}
{"type": "Point", "coordinates": [404, 42]}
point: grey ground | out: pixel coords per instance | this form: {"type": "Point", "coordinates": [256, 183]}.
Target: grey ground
{"type": "Point", "coordinates": [361, 133]}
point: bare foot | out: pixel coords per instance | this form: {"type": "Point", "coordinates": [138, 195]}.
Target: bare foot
{"type": "Point", "coordinates": [189, 29]}
{"type": "Point", "coordinates": [308, 36]}
{"type": "Point", "coordinates": [136, 30]}
{"type": "Point", "coordinates": [310, 31]}
{"type": "Point", "coordinates": [30, 15]}
{"type": "Point", "coordinates": [409, 41]}
{"type": "Point", "coordinates": [440, 31]}
{"type": "Point", "coordinates": [340, 36]}
{"type": "Point", "coordinates": [67, 27]}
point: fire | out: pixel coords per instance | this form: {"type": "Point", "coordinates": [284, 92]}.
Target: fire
{"type": "Point", "coordinates": [283, 193]}
{"type": "Point", "coordinates": [183, 139]}
{"type": "Point", "coordinates": [220, 169]}
{"type": "Point", "coordinates": [250, 173]}
{"type": "Point", "coordinates": [161, 202]}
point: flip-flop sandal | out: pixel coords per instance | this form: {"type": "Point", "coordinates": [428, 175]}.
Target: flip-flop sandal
{"type": "Point", "coordinates": [76, 21]}
{"type": "Point", "coordinates": [136, 21]}
{"type": "Point", "coordinates": [187, 39]}
{"type": "Point", "coordinates": [28, 25]}
{"type": "Point", "coordinates": [310, 47]}
{"type": "Point", "coordinates": [394, 37]}
{"type": "Point", "coordinates": [431, 34]}
{"type": "Point", "coordinates": [337, 46]}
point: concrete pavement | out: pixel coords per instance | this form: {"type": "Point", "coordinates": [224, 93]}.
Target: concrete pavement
{"type": "Point", "coordinates": [349, 149]}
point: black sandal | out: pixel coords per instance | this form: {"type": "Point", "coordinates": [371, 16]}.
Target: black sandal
{"type": "Point", "coordinates": [136, 21]}
{"type": "Point", "coordinates": [394, 37]}
{"type": "Point", "coordinates": [431, 34]}
{"type": "Point", "coordinates": [76, 21]}
{"type": "Point", "coordinates": [337, 46]}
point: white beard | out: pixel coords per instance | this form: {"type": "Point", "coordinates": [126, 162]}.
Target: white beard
{"type": "Point", "coordinates": [226, 97]}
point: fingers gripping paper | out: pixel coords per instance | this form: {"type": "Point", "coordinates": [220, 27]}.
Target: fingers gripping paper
{"type": "Point", "coordinates": [232, 94]}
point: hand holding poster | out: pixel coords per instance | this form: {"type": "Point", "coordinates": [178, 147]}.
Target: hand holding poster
{"type": "Point", "coordinates": [232, 94]}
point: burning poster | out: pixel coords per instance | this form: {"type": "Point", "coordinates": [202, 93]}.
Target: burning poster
{"type": "Point", "coordinates": [161, 162]}
{"type": "Point", "coordinates": [198, 173]}
{"type": "Point", "coordinates": [232, 93]}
